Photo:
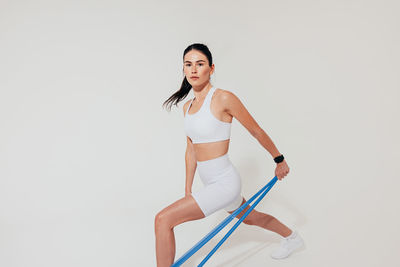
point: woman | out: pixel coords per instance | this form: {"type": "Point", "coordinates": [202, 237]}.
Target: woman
{"type": "Point", "coordinates": [207, 122]}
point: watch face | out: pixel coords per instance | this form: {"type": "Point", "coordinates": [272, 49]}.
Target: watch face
{"type": "Point", "coordinates": [279, 159]}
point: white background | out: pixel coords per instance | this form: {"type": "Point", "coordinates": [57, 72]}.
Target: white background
{"type": "Point", "coordinates": [88, 155]}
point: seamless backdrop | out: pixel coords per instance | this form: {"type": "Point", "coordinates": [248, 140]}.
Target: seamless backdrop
{"type": "Point", "coordinates": [88, 156]}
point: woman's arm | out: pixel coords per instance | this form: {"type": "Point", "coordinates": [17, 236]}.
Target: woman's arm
{"type": "Point", "coordinates": [191, 165]}
{"type": "Point", "coordinates": [190, 160]}
{"type": "Point", "coordinates": [235, 108]}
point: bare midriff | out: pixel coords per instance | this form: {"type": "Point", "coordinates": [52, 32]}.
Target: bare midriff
{"type": "Point", "coordinates": [207, 151]}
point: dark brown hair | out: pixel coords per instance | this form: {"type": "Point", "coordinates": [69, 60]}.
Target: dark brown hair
{"type": "Point", "coordinates": [185, 87]}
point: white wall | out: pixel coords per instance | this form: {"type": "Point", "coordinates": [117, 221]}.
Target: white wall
{"type": "Point", "coordinates": [88, 156]}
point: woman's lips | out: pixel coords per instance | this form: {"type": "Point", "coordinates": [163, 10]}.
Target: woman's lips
{"type": "Point", "coordinates": [194, 78]}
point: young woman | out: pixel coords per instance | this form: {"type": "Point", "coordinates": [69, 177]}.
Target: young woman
{"type": "Point", "coordinates": [207, 122]}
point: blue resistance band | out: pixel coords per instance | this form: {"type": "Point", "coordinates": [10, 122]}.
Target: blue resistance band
{"type": "Point", "coordinates": [263, 191]}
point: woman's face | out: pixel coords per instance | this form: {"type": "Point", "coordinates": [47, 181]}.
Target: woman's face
{"type": "Point", "coordinates": [195, 64]}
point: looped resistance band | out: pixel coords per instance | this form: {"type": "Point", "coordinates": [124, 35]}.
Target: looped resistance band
{"type": "Point", "coordinates": [263, 191]}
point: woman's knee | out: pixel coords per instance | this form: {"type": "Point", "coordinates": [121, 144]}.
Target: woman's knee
{"type": "Point", "coordinates": [180, 211]}
{"type": "Point", "coordinates": [255, 217]}
{"type": "Point", "coordinates": [161, 220]}
{"type": "Point", "coordinates": [251, 218]}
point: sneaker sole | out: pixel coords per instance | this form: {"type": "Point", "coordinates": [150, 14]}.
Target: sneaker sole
{"type": "Point", "coordinates": [298, 249]}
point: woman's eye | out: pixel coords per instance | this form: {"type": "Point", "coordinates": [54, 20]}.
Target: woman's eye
{"type": "Point", "coordinates": [188, 65]}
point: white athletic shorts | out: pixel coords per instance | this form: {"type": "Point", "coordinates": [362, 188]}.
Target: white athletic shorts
{"type": "Point", "coordinates": [222, 185]}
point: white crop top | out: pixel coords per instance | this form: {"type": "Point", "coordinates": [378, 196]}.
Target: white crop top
{"type": "Point", "coordinates": [203, 126]}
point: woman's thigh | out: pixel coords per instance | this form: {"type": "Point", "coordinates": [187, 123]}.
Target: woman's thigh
{"type": "Point", "coordinates": [252, 215]}
{"type": "Point", "coordinates": [182, 210]}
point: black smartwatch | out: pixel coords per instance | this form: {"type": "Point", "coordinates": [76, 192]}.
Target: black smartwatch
{"type": "Point", "coordinates": [279, 159]}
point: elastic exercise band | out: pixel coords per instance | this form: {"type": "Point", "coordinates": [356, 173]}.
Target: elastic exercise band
{"type": "Point", "coordinates": [219, 227]}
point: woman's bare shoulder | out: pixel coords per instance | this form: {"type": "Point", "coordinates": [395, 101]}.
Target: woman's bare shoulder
{"type": "Point", "coordinates": [224, 94]}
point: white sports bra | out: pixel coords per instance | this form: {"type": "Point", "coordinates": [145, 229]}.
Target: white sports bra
{"type": "Point", "coordinates": [203, 126]}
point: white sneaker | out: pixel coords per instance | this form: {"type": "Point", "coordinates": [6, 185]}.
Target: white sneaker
{"type": "Point", "coordinates": [287, 246]}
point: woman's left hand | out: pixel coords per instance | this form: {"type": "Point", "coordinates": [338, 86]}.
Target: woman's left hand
{"type": "Point", "coordinates": [282, 169]}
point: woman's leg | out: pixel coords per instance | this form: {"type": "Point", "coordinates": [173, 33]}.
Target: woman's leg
{"type": "Point", "coordinates": [263, 220]}
{"type": "Point", "coordinates": [182, 210]}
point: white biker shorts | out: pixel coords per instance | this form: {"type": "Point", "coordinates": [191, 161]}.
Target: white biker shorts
{"type": "Point", "coordinates": [222, 185]}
